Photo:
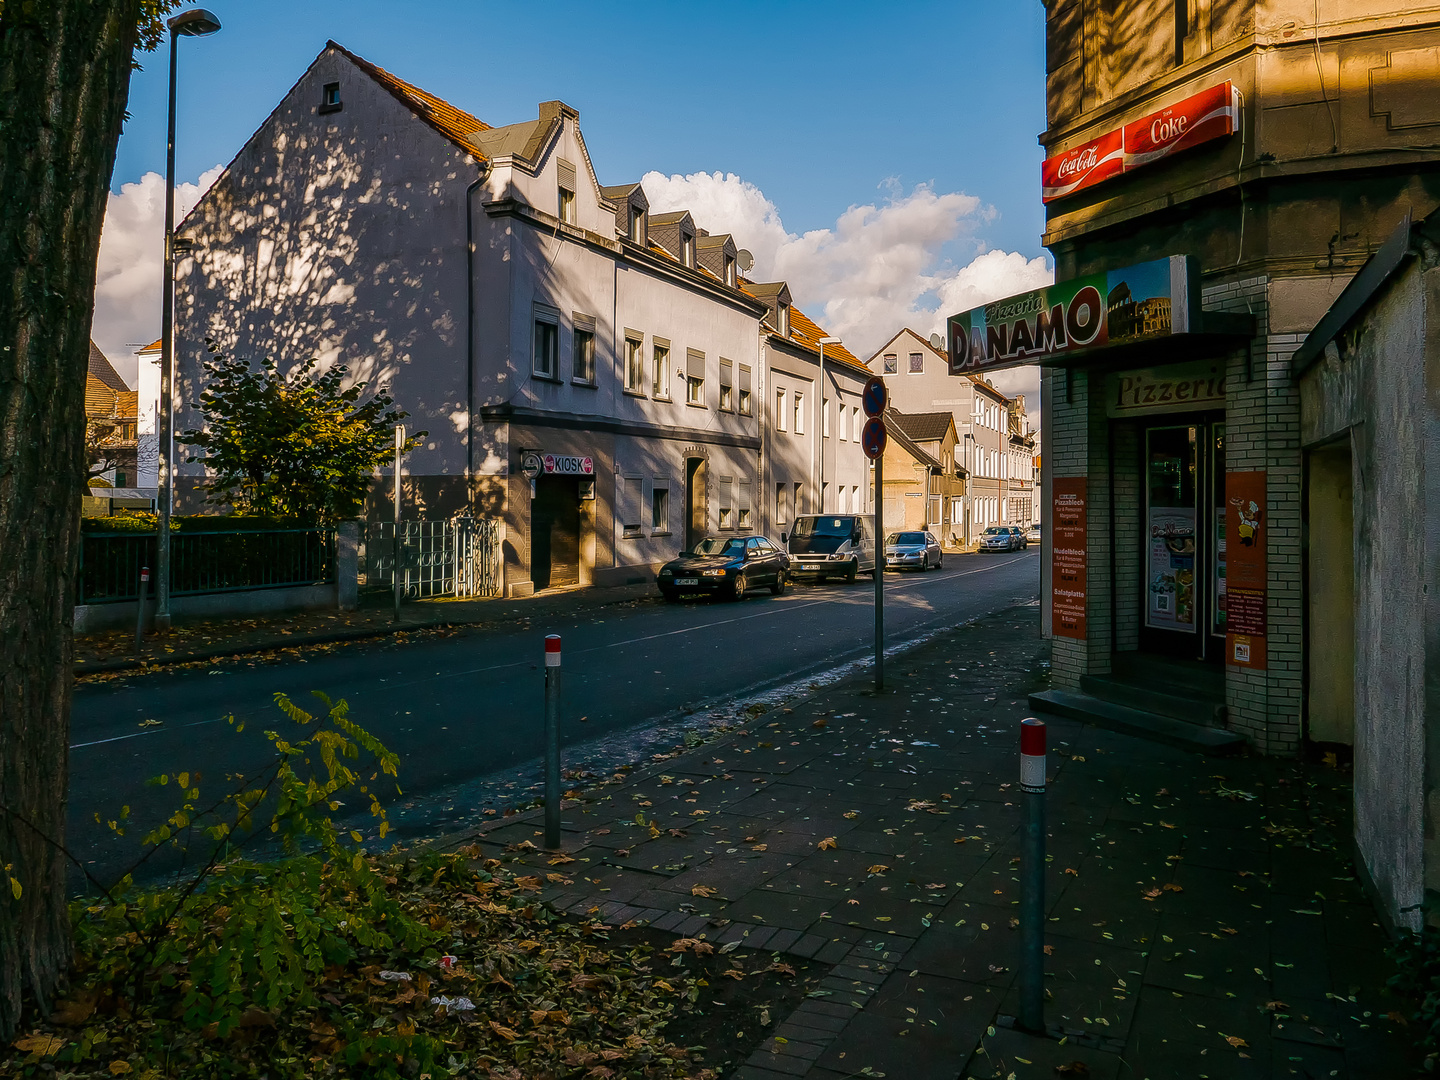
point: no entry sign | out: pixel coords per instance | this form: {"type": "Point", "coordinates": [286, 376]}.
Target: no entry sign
{"type": "Point", "coordinates": [873, 438]}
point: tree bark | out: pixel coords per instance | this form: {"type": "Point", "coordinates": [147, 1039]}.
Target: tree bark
{"type": "Point", "coordinates": [64, 77]}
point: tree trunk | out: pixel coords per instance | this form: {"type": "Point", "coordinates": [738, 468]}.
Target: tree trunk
{"type": "Point", "coordinates": [64, 78]}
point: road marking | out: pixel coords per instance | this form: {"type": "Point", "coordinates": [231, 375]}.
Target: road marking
{"type": "Point", "coordinates": [148, 731]}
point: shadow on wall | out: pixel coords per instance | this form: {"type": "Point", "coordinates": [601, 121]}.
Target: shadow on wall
{"type": "Point", "coordinates": [320, 241]}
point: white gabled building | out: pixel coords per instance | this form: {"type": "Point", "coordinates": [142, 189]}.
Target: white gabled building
{"type": "Point", "coordinates": [508, 302]}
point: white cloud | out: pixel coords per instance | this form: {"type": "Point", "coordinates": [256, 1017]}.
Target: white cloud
{"type": "Point", "coordinates": [879, 268]}
{"type": "Point", "coordinates": [128, 275]}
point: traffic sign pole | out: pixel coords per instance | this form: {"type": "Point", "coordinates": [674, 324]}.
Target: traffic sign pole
{"type": "Point", "coordinates": [873, 439]}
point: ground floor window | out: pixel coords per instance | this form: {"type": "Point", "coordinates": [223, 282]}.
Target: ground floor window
{"type": "Point", "coordinates": [632, 489]}
{"type": "Point", "coordinates": [727, 502]}
{"type": "Point", "coordinates": [781, 514]}
{"type": "Point", "coordinates": [742, 512]}
{"type": "Point", "coordinates": [659, 508]}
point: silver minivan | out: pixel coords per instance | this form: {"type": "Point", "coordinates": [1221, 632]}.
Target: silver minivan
{"type": "Point", "coordinates": [830, 545]}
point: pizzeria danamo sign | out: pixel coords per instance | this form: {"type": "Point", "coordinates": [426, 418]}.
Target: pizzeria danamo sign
{"type": "Point", "coordinates": [1210, 114]}
{"type": "Point", "coordinates": [1131, 303]}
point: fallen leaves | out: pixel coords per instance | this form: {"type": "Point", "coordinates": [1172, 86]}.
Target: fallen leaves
{"type": "Point", "coordinates": [44, 1045]}
{"type": "Point", "coordinates": [828, 844]}
{"type": "Point", "coordinates": [703, 891]}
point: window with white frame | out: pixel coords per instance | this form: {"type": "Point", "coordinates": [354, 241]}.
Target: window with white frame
{"type": "Point", "coordinates": [660, 365]}
{"type": "Point", "coordinates": [634, 362]}
{"type": "Point", "coordinates": [546, 344]}
{"type": "Point", "coordinates": [843, 416]}
{"type": "Point", "coordinates": [799, 498]}
{"type": "Point", "coordinates": [855, 422]}
{"type": "Point", "coordinates": [780, 413]}
{"type": "Point", "coordinates": [825, 418]}
{"type": "Point", "coordinates": [856, 505]}
{"type": "Point", "coordinates": [637, 223]}
{"type": "Point", "coordinates": [660, 507]}
{"type": "Point", "coordinates": [742, 511]}
{"type": "Point", "coordinates": [747, 395]}
{"type": "Point", "coordinates": [727, 385]}
{"type": "Point", "coordinates": [782, 515]}
{"type": "Point", "coordinates": [800, 413]}
{"type": "Point", "coordinates": [784, 319]}
{"type": "Point", "coordinates": [582, 359]}
{"type": "Point", "coordinates": [695, 378]}
{"type": "Point", "coordinates": [917, 363]}
{"type": "Point", "coordinates": [631, 493]}
{"type": "Point", "coordinates": [727, 502]}
{"type": "Point", "coordinates": [565, 181]}
{"type": "Point", "coordinates": [687, 249]}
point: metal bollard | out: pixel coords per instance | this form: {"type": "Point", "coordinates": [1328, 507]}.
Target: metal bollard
{"type": "Point", "coordinates": [1032, 877]}
{"type": "Point", "coordinates": [140, 610]}
{"type": "Point", "coordinates": [552, 741]}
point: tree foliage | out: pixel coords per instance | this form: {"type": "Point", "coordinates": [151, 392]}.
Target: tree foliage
{"type": "Point", "coordinates": [301, 446]}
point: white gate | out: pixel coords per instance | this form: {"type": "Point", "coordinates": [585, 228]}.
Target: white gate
{"type": "Point", "coordinates": [460, 557]}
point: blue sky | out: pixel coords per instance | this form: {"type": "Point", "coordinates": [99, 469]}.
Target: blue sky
{"type": "Point", "coordinates": [820, 106]}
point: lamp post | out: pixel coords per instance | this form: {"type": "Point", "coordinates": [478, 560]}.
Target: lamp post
{"type": "Point", "coordinates": [824, 415]}
{"type": "Point", "coordinates": [197, 22]}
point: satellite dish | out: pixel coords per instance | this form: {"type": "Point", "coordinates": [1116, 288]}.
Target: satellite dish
{"type": "Point", "coordinates": [937, 342]}
{"type": "Point", "coordinates": [745, 259]}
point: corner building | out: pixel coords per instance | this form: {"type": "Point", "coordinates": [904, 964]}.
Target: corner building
{"type": "Point", "coordinates": [1216, 172]}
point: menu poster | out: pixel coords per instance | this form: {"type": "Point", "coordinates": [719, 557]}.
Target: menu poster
{"type": "Point", "coordinates": [1171, 561]}
{"type": "Point", "coordinates": [1246, 527]}
{"type": "Point", "coordinates": [1068, 557]}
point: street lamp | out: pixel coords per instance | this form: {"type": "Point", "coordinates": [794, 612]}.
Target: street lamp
{"type": "Point", "coordinates": [824, 415]}
{"type": "Point", "coordinates": [197, 22]}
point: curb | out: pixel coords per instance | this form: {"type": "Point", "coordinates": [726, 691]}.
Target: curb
{"type": "Point", "coordinates": [219, 652]}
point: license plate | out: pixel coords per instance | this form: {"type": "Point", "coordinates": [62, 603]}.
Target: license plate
{"type": "Point", "coordinates": [687, 581]}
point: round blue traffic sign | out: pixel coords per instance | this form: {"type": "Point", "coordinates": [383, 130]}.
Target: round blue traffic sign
{"type": "Point", "coordinates": [873, 437]}
{"type": "Point", "coordinates": [874, 397]}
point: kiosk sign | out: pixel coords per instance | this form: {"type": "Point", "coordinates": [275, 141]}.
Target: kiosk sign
{"type": "Point", "coordinates": [1133, 303]}
{"type": "Point", "coordinates": [566, 465]}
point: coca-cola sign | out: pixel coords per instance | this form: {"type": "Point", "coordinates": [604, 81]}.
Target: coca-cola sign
{"type": "Point", "coordinates": [1210, 114]}
{"type": "Point", "coordinates": [1084, 165]}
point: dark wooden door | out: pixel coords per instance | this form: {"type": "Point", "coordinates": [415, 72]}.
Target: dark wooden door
{"type": "Point", "coordinates": [555, 532]}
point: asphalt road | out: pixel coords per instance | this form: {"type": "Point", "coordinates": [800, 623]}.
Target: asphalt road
{"type": "Point", "coordinates": [467, 707]}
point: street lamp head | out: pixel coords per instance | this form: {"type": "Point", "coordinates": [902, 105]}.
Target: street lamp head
{"type": "Point", "coordinates": [197, 22]}
{"type": "Point", "coordinates": [829, 341]}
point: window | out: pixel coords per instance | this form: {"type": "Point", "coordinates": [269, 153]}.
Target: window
{"type": "Point", "coordinates": [727, 502]}
{"type": "Point", "coordinates": [855, 502]}
{"type": "Point", "coordinates": [799, 501]}
{"type": "Point", "coordinates": [855, 422]}
{"type": "Point", "coordinates": [547, 346]}
{"type": "Point", "coordinates": [631, 491]}
{"type": "Point", "coordinates": [730, 271]}
{"type": "Point", "coordinates": [687, 249]}
{"type": "Point", "coordinates": [584, 356]}
{"type": "Point", "coordinates": [824, 495]}
{"type": "Point", "coordinates": [784, 316]}
{"type": "Point", "coordinates": [781, 514]}
{"type": "Point", "coordinates": [637, 224]}
{"type": "Point", "coordinates": [917, 363]}
{"type": "Point", "coordinates": [330, 98]}
{"type": "Point", "coordinates": [780, 414]}
{"type": "Point", "coordinates": [934, 516]}
{"type": "Point", "coordinates": [747, 398]}
{"type": "Point", "coordinates": [660, 508]}
{"type": "Point", "coordinates": [844, 424]}
{"type": "Point", "coordinates": [800, 414]}
{"type": "Point", "coordinates": [660, 361]}
{"type": "Point", "coordinates": [120, 478]}
{"type": "Point", "coordinates": [825, 417]}
{"type": "Point", "coordinates": [634, 363]}
{"type": "Point", "coordinates": [742, 512]}
{"type": "Point", "coordinates": [727, 385]}
{"type": "Point", "coordinates": [565, 181]}
{"type": "Point", "coordinates": [892, 363]}
{"type": "Point", "coordinates": [695, 378]}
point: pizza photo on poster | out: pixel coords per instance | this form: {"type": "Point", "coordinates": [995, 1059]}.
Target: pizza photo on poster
{"type": "Point", "coordinates": [1171, 566]}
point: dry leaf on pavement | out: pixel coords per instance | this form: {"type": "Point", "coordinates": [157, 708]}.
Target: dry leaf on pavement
{"type": "Point", "coordinates": [827, 844]}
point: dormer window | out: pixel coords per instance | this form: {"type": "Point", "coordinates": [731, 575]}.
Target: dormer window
{"type": "Point", "coordinates": [784, 310]}
{"type": "Point", "coordinates": [687, 249]}
{"type": "Point", "coordinates": [330, 98]}
{"type": "Point", "coordinates": [729, 271]}
{"type": "Point", "coordinates": [637, 224]}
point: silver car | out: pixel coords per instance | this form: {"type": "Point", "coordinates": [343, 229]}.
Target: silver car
{"type": "Point", "coordinates": [1001, 538]}
{"type": "Point", "coordinates": [917, 550]}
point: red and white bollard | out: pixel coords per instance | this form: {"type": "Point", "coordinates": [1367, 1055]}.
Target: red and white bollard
{"type": "Point", "coordinates": [1032, 877]}
{"type": "Point", "coordinates": [552, 741]}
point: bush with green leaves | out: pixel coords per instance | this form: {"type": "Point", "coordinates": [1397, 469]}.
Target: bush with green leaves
{"type": "Point", "coordinates": [301, 445]}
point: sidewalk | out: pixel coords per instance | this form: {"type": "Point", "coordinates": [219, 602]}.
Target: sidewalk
{"type": "Point", "coordinates": [1203, 919]}
{"type": "Point", "coordinates": [207, 640]}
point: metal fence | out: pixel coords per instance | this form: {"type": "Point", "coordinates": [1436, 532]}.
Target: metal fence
{"type": "Point", "coordinates": [206, 562]}
{"type": "Point", "coordinates": [460, 557]}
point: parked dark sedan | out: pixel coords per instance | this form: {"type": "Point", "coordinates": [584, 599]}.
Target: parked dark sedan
{"type": "Point", "coordinates": [729, 565]}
